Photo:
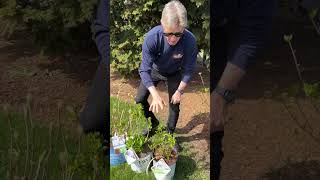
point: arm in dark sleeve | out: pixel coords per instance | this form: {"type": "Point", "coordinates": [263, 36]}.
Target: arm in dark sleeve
{"type": "Point", "coordinates": [148, 56]}
{"type": "Point", "coordinates": [190, 61]}
{"type": "Point", "coordinates": [251, 31]}
{"type": "Point", "coordinates": [101, 29]}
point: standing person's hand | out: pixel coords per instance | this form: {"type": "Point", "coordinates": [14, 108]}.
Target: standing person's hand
{"type": "Point", "coordinates": [218, 109]}
{"type": "Point", "coordinates": [156, 104]}
{"type": "Point", "coordinates": [176, 98]}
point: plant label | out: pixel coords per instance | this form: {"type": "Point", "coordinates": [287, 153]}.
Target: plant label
{"type": "Point", "coordinates": [119, 143]}
{"type": "Point", "coordinates": [160, 167]}
{"type": "Point", "coordinates": [131, 156]}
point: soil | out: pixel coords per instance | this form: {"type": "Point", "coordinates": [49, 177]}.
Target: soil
{"type": "Point", "coordinates": [170, 161]}
{"type": "Point", "coordinates": [263, 135]}
{"type": "Point", "coordinates": [51, 82]}
{"type": "Point", "coordinates": [145, 151]}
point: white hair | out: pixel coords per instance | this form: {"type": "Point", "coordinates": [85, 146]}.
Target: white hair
{"type": "Point", "coordinates": [174, 14]}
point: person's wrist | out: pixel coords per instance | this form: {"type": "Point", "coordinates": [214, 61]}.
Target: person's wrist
{"type": "Point", "coordinates": [226, 94]}
{"type": "Point", "coordinates": [154, 93]}
{"type": "Point", "coordinates": [180, 91]}
{"type": "Point", "coordinates": [218, 98]}
{"type": "Point", "coordinates": [156, 96]}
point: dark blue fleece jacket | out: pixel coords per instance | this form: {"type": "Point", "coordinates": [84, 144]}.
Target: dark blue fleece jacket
{"type": "Point", "coordinates": [159, 55]}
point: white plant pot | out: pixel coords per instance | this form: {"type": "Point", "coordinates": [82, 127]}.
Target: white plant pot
{"type": "Point", "coordinates": [162, 171]}
{"type": "Point", "coordinates": [137, 164]}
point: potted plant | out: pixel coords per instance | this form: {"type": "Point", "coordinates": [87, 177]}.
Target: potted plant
{"type": "Point", "coordinates": [165, 155]}
{"type": "Point", "coordinates": [138, 154]}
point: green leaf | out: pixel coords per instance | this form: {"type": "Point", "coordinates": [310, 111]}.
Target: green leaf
{"type": "Point", "coordinates": [287, 38]}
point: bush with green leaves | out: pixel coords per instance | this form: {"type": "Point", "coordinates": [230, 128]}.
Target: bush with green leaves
{"type": "Point", "coordinates": [59, 25]}
{"type": "Point", "coordinates": [132, 19]}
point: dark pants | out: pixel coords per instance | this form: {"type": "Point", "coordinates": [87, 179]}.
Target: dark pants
{"type": "Point", "coordinates": [219, 55]}
{"type": "Point", "coordinates": [172, 81]}
{"type": "Point", "coordinates": [95, 115]}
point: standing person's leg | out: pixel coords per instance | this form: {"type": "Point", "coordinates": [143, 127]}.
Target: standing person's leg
{"type": "Point", "coordinates": [95, 115]}
{"type": "Point", "coordinates": [142, 98]}
{"type": "Point", "coordinates": [219, 48]}
{"type": "Point", "coordinates": [174, 109]}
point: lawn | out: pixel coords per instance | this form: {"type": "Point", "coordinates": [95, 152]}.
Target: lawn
{"type": "Point", "coordinates": [33, 150]}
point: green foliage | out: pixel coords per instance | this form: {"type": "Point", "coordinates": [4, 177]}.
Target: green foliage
{"type": "Point", "coordinates": [136, 142]}
{"type": "Point", "coordinates": [127, 118]}
{"type": "Point", "coordinates": [54, 24]}
{"type": "Point", "coordinates": [293, 90]}
{"type": "Point", "coordinates": [287, 38]}
{"type": "Point", "coordinates": [312, 90]}
{"type": "Point", "coordinates": [205, 90]}
{"type": "Point", "coordinates": [30, 150]}
{"type": "Point", "coordinates": [163, 142]}
{"type": "Point", "coordinates": [132, 19]}
{"type": "Point", "coordinates": [91, 160]}
{"type": "Point", "coordinates": [313, 13]}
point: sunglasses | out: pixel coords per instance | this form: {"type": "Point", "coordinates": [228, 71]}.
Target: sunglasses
{"type": "Point", "coordinates": [176, 34]}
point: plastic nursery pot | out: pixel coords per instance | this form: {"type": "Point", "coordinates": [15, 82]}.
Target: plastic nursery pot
{"type": "Point", "coordinates": [116, 157]}
{"type": "Point", "coordinates": [163, 170]}
{"type": "Point", "coordinates": [137, 164]}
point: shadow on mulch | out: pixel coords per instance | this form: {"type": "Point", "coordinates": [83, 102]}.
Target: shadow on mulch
{"type": "Point", "coordinates": [202, 118]}
{"type": "Point", "coordinates": [78, 64]}
{"type": "Point", "coordinates": [306, 170]}
{"type": "Point", "coordinates": [80, 67]}
{"type": "Point", "coordinates": [17, 46]}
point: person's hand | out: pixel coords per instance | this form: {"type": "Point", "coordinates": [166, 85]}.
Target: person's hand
{"type": "Point", "coordinates": [176, 98]}
{"type": "Point", "coordinates": [218, 111]}
{"type": "Point", "coordinates": [156, 104]}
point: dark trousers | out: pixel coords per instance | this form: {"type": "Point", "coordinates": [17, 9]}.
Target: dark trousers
{"type": "Point", "coordinates": [219, 54]}
{"type": "Point", "coordinates": [95, 115]}
{"type": "Point", "coordinates": [172, 81]}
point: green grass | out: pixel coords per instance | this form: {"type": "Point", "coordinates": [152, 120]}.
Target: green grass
{"type": "Point", "coordinates": [124, 172]}
{"type": "Point", "coordinates": [47, 151]}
